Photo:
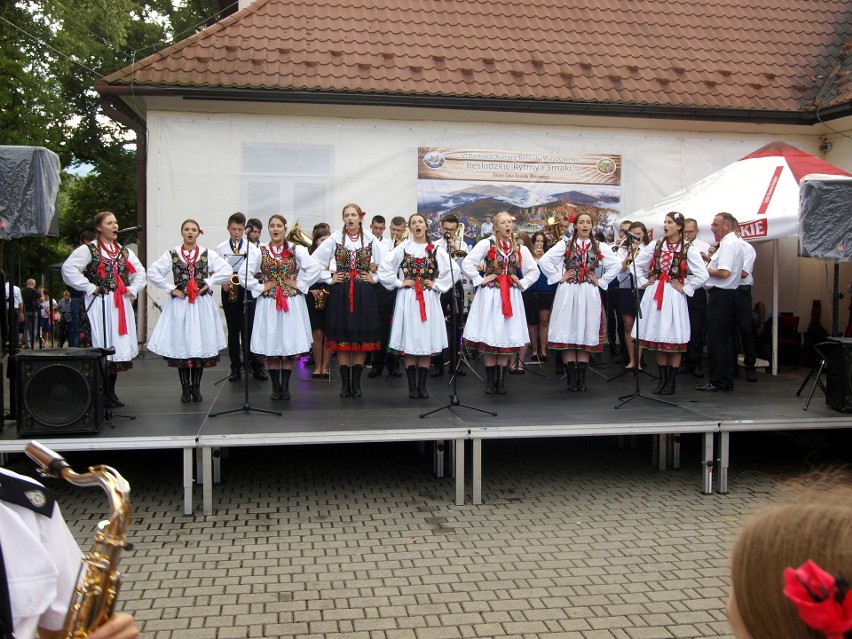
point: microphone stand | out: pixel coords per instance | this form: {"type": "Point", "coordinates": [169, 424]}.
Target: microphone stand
{"type": "Point", "coordinates": [636, 392]}
{"type": "Point", "coordinates": [454, 345]}
{"type": "Point", "coordinates": [246, 407]}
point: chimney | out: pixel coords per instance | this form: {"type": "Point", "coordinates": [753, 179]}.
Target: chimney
{"type": "Point", "coordinates": [245, 3]}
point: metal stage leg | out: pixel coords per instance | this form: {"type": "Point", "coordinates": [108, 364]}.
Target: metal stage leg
{"type": "Point", "coordinates": [674, 450]}
{"type": "Point", "coordinates": [438, 459]}
{"type": "Point", "coordinates": [199, 464]}
{"type": "Point", "coordinates": [451, 457]}
{"type": "Point", "coordinates": [187, 480]}
{"type": "Point", "coordinates": [206, 473]}
{"type": "Point", "coordinates": [458, 448]}
{"type": "Point", "coordinates": [477, 472]}
{"type": "Point", "coordinates": [707, 464]}
{"type": "Point", "coordinates": [660, 444]}
{"type": "Point", "coordinates": [217, 465]}
{"type": "Point", "coordinates": [724, 459]}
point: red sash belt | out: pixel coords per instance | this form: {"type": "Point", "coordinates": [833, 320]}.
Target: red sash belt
{"type": "Point", "coordinates": [192, 290]}
{"type": "Point", "coordinates": [661, 287]}
{"type": "Point", "coordinates": [505, 293]}
{"type": "Point", "coordinates": [281, 300]}
{"type": "Point", "coordinates": [352, 275]}
{"type": "Point", "coordinates": [418, 294]}
{"type": "Point", "coordinates": [118, 298]}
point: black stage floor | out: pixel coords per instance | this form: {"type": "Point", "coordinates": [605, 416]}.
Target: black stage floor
{"type": "Point", "coordinates": [533, 406]}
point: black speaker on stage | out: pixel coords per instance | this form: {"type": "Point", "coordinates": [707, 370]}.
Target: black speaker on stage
{"type": "Point", "coordinates": [837, 352]}
{"type": "Point", "coordinates": [60, 392]}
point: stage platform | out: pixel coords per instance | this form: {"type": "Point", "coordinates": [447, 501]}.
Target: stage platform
{"type": "Point", "coordinates": [533, 407]}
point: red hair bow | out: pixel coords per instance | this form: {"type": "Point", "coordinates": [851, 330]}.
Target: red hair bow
{"type": "Point", "coordinates": [492, 253]}
{"type": "Point", "coordinates": [572, 219]}
{"type": "Point", "coordinates": [823, 601]}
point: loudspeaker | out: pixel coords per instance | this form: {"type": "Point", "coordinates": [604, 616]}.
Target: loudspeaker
{"type": "Point", "coordinates": [837, 352]}
{"type": "Point", "coordinates": [60, 392]}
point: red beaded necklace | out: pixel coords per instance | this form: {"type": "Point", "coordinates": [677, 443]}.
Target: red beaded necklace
{"type": "Point", "coordinates": [189, 255]}
{"type": "Point", "coordinates": [111, 250]}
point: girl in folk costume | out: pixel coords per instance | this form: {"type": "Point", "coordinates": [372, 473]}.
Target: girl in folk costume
{"type": "Point", "coordinates": [110, 276]}
{"type": "Point", "coordinates": [352, 316]}
{"type": "Point", "coordinates": [672, 269]}
{"type": "Point", "coordinates": [189, 332]}
{"type": "Point", "coordinates": [497, 323]}
{"type": "Point", "coordinates": [576, 322]}
{"type": "Point", "coordinates": [422, 272]}
{"type": "Point", "coordinates": [282, 328]}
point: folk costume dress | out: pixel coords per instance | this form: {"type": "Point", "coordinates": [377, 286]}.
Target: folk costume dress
{"type": "Point", "coordinates": [351, 313]}
{"type": "Point", "coordinates": [496, 322]}
{"type": "Point", "coordinates": [112, 269]}
{"type": "Point", "coordinates": [282, 327]}
{"type": "Point", "coordinates": [189, 332]}
{"type": "Point", "coordinates": [664, 321]}
{"type": "Point", "coordinates": [576, 322]}
{"type": "Point", "coordinates": [418, 326]}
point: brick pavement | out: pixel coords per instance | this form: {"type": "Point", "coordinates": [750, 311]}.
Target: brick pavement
{"type": "Point", "coordinates": [578, 539]}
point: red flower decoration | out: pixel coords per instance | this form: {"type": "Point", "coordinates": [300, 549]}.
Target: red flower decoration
{"type": "Point", "coordinates": [683, 267]}
{"type": "Point", "coordinates": [572, 219]}
{"type": "Point", "coordinates": [823, 601]}
{"type": "Point", "coordinates": [430, 247]}
{"type": "Point", "coordinates": [600, 256]}
{"type": "Point", "coordinates": [492, 253]}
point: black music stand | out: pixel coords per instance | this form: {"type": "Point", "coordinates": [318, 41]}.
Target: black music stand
{"type": "Point", "coordinates": [454, 347]}
{"type": "Point", "coordinates": [246, 407]}
{"type": "Point", "coordinates": [816, 372]}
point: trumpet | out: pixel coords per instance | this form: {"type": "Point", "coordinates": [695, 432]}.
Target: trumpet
{"type": "Point", "coordinates": [298, 236]}
{"type": "Point", "coordinates": [94, 598]}
{"type": "Point", "coordinates": [234, 292]}
{"type": "Point", "coordinates": [458, 241]}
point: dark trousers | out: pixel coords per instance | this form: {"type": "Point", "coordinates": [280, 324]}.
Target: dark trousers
{"type": "Point", "coordinates": [721, 309]}
{"type": "Point", "coordinates": [234, 322]}
{"type": "Point", "coordinates": [72, 328]}
{"type": "Point", "coordinates": [697, 307]}
{"type": "Point", "coordinates": [614, 323]}
{"type": "Point", "coordinates": [386, 301]}
{"type": "Point", "coordinates": [743, 326]}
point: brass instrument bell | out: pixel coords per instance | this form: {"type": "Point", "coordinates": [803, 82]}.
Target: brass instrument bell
{"type": "Point", "coordinates": [298, 236]}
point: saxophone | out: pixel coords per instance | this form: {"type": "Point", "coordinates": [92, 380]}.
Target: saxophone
{"type": "Point", "coordinates": [234, 292]}
{"type": "Point", "coordinates": [97, 586]}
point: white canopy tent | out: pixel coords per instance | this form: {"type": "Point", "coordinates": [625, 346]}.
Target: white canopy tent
{"type": "Point", "coordinates": [761, 190]}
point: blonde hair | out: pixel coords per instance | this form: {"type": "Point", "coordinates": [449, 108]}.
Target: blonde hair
{"type": "Point", "coordinates": [816, 525]}
{"type": "Point", "coordinates": [506, 213]}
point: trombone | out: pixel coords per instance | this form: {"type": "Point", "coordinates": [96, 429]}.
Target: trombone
{"type": "Point", "coordinates": [458, 241]}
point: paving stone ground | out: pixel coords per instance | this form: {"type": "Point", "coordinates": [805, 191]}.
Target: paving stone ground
{"type": "Point", "coordinates": [577, 539]}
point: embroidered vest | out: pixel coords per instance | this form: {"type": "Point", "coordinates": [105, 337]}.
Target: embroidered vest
{"type": "Point", "coordinates": [583, 264]}
{"type": "Point", "coordinates": [678, 268]}
{"type": "Point", "coordinates": [180, 271]}
{"type": "Point", "coordinates": [342, 257]}
{"type": "Point", "coordinates": [275, 270]}
{"type": "Point", "coordinates": [422, 268]}
{"type": "Point", "coordinates": [113, 269]}
{"type": "Point", "coordinates": [497, 266]}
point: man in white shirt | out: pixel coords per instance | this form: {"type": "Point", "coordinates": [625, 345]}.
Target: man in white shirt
{"type": "Point", "coordinates": [697, 307]}
{"type": "Point", "coordinates": [744, 309]}
{"type": "Point", "coordinates": [487, 228]}
{"type": "Point", "coordinates": [16, 314]}
{"type": "Point", "coordinates": [385, 299]}
{"type": "Point", "coordinates": [725, 270]}
{"type": "Point", "coordinates": [449, 228]}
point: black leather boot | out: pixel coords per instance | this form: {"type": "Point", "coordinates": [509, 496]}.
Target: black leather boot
{"type": "Point", "coordinates": [275, 376]}
{"type": "Point", "coordinates": [571, 370]}
{"type": "Point", "coordinates": [284, 386]}
{"type": "Point", "coordinates": [345, 381]}
{"type": "Point", "coordinates": [664, 373]}
{"type": "Point", "coordinates": [422, 374]}
{"type": "Point", "coordinates": [500, 379]}
{"type": "Point", "coordinates": [196, 383]}
{"type": "Point", "coordinates": [112, 398]}
{"type": "Point", "coordinates": [582, 367]}
{"type": "Point", "coordinates": [411, 373]}
{"type": "Point", "coordinates": [671, 382]}
{"type": "Point", "coordinates": [185, 385]}
{"type": "Point", "coordinates": [356, 380]}
{"type": "Point", "coordinates": [490, 374]}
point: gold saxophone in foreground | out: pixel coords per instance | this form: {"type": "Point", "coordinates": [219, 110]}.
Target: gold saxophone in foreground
{"type": "Point", "coordinates": [99, 581]}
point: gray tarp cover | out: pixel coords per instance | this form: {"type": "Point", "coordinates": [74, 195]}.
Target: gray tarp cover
{"type": "Point", "coordinates": [29, 184]}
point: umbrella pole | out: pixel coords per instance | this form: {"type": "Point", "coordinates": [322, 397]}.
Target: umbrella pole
{"type": "Point", "coordinates": [775, 314]}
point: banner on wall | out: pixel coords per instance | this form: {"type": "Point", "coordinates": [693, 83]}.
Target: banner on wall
{"type": "Point", "coordinates": [537, 189]}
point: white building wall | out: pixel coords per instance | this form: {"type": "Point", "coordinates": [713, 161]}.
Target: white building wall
{"type": "Point", "coordinates": [198, 168]}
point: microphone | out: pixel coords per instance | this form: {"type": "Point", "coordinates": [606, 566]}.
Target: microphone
{"type": "Point", "coordinates": [249, 229]}
{"type": "Point", "coordinates": [131, 229]}
{"type": "Point", "coordinates": [633, 235]}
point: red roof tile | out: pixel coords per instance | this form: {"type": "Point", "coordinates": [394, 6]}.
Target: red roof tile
{"type": "Point", "coordinates": [762, 55]}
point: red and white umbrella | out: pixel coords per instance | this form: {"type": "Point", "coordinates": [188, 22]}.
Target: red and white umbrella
{"type": "Point", "coordinates": [761, 190]}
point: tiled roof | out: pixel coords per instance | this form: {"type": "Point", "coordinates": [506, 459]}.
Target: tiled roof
{"type": "Point", "coordinates": [763, 55]}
